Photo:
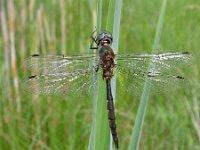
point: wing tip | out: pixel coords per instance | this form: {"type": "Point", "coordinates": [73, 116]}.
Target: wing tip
{"type": "Point", "coordinates": [185, 53]}
{"type": "Point", "coordinates": [180, 77]}
{"type": "Point", "coordinates": [32, 77]}
{"type": "Point", "coordinates": [35, 55]}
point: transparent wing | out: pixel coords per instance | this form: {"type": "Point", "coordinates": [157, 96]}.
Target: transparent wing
{"type": "Point", "coordinates": [160, 82]}
{"type": "Point", "coordinates": [132, 70]}
{"type": "Point", "coordinates": [162, 61]}
{"type": "Point", "coordinates": [57, 74]}
{"type": "Point", "coordinates": [43, 64]}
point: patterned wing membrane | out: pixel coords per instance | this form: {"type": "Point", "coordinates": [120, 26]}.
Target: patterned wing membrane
{"type": "Point", "coordinates": [161, 62]}
{"type": "Point", "coordinates": [133, 70]}
{"type": "Point", "coordinates": [57, 74]}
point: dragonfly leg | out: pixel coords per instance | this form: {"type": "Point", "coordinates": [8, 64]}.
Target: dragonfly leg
{"type": "Point", "coordinates": [93, 40]}
{"type": "Point", "coordinates": [96, 68]}
{"type": "Point", "coordinates": [93, 47]}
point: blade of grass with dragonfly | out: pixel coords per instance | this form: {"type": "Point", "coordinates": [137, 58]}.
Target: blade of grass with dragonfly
{"type": "Point", "coordinates": [99, 138]}
{"type": "Point", "coordinates": [101, 130]}
{"type": "Point", "coordinates": [137, 129]}
{"type": "Point", "coordinates": [109, 27]}
{"type": "Point", "coordinates": [113, 24]}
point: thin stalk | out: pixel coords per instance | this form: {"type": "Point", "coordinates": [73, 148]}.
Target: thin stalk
{"type": "Point", "coordinates": [113, 25]}
{"type": "Point", "coordinates": [137, 129]}
{"type": "Point", "coordinates": [40, 17]}
{"type": "Point", "coordinates": [110, 18]}
{"type": "Point", "coordinates": [11, 19]}
{"type": "Point", "coordinates": [109, 27]}
{"type": "Point", "coordinates": [63, 26]}
{"type": "Point", "coordinates": [95, 90]}
{"type": "Point", "coordinates": [99, 15]}
{"type": "Point", "coordinates": [6, 50]}
{"type": "Point", "coordinates": [37, 135]}
{"type": "Point", "coordinates": [23, 29]}
{"type": "Point", "coordinates": [102, 129]}
{"type": "Point", "coordinates": [95, 132]}
{"type": "Point", "coordinates": [47, 31]}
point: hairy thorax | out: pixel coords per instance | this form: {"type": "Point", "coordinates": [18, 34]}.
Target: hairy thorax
{"type": "Point", "coordinates": [107, 64]}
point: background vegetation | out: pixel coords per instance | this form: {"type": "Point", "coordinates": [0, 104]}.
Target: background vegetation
{"type": "Point", "coordinates": [40, 122]}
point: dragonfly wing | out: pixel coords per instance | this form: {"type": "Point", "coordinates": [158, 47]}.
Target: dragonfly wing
{"type": "Point", "coordinates": [161, 62]}
{"type": "Point", "coordinates": [57, 74]}
{"type": "Point", "coordinates": [160, 82]}
{"type": "Point", "coordinates": [133, 71]}
{"type": "Point", "coordinates": [43, 64]}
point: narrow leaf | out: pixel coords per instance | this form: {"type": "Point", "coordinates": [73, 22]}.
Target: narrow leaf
{"type": "Point", "coordinates": [136, 134]}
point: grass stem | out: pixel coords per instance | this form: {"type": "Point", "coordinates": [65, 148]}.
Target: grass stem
{"type": "Point", "coordinates": [137, 129]}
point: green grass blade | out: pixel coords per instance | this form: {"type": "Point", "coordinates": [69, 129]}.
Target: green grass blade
{"type": "Point", "coordinates": [113, 24]}
{"type": "Point", "coordinates": [136, 134]}
{"type": "Point", "coordinates": [116, 27]}
{"type": "Point", "coordinates": [99, 138]}
{"type": "Point", "coordinates": [159, 26]}
{"type": "Point", "coordinates": [99, 135]}
{"type": "Point", "coordinates": [110, 17]}
{"type": "Point", "coordinates": [101, 128]}
{"type": "Point", "coordinates": [99, 15]}
{"type": "Point", "coordinates": [109, 27]}
{"type": "Point", "coordinates": [92, 139]}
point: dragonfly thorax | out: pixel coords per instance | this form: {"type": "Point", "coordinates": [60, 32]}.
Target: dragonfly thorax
{"type": "Point", "coordinates": [107, 64]}
{"type": "Point", "coordinates": [104, 49]}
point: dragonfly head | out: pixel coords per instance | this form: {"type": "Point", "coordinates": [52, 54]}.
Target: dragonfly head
{"type": "Point", "coordinates": [104, 39]}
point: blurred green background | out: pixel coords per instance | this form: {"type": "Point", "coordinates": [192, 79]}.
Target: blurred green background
{"type": "Point", "coordinates": [30, 121]}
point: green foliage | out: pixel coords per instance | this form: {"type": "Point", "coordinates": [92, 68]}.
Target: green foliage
{"type": "Point", "coordinates": [65, 122]}
{"type": "Point", "coordinates": [136, 135]}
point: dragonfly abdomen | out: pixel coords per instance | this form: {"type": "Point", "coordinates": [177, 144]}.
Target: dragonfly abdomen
{"type": "Point", "coordinates": [111, 114]}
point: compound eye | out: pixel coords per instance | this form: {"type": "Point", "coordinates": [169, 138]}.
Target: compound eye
{"type": "Point", "coordinates": [101, 36]}
{"type": "Point", "coordinates": [109, 35]}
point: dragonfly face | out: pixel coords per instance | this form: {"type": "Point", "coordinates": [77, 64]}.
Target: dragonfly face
{"type": "Point", "coordinates": [104, 39]}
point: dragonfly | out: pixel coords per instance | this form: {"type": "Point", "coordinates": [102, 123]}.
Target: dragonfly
{"type": "Point", "coordinates": [60, 74]}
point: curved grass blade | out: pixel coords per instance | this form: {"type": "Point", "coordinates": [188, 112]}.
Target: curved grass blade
{"type": "Point", "coordinates": [110, 17]}
{"type": "Point", "coordinates": [137, 129]}
{"type": "Point", "coordinates": [96, 130]}
{"type": "Point", "coordinates": [115, 25]}
{"type": "Point", "coordinates": [102, 128]}
{"type": "Point", "coordinates": [109, 27]}
{"type": "Point", "coordinates": [99, 138]}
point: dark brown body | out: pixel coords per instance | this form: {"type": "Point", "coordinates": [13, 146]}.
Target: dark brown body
{"type": "Point", "coordinates": [107, 64]}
